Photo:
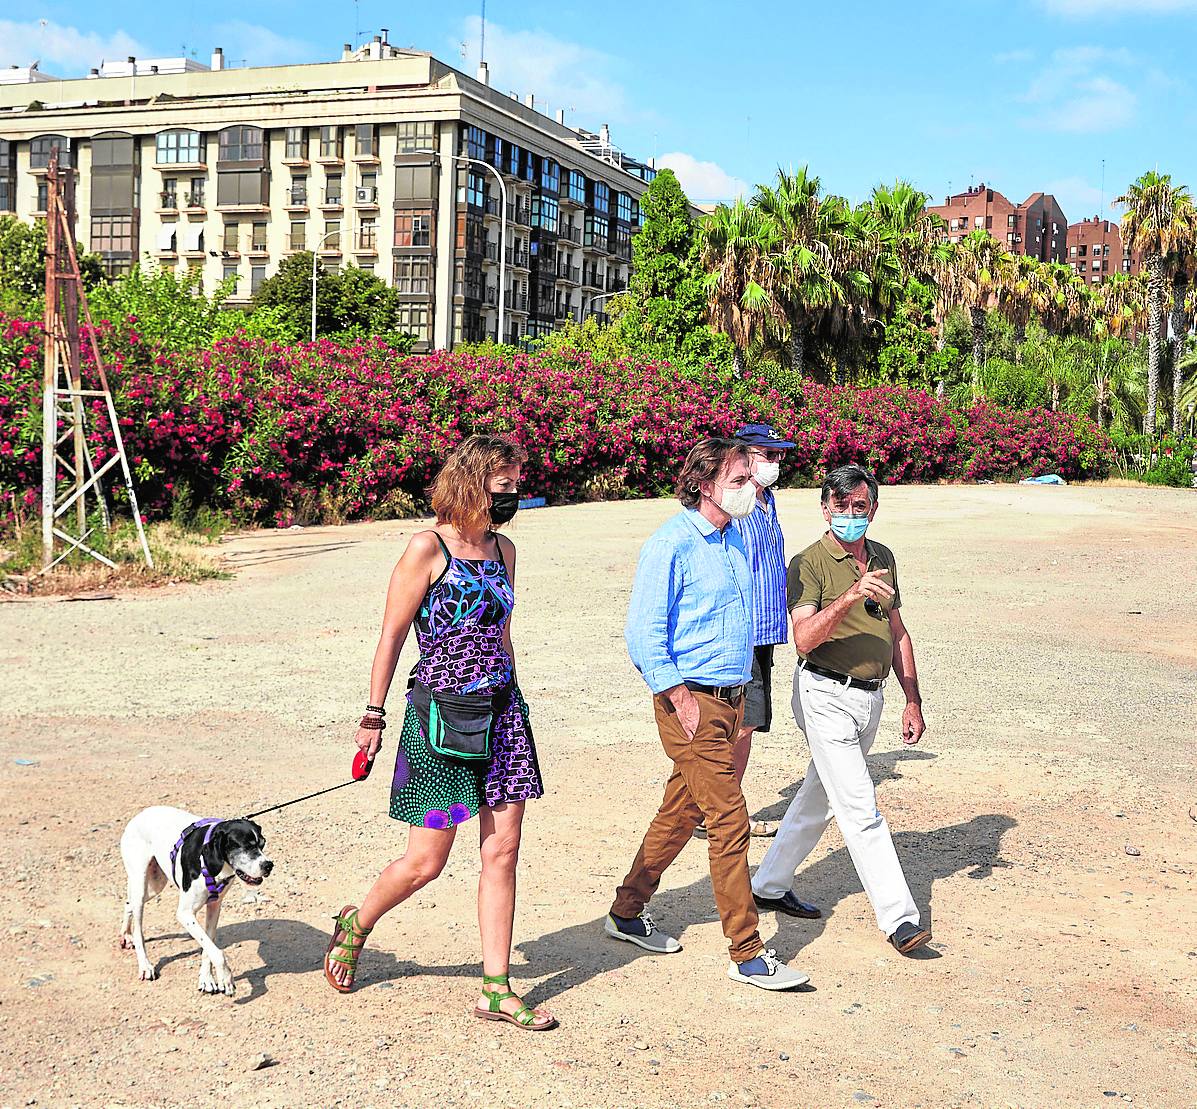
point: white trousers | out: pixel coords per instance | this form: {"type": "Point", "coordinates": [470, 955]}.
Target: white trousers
{"type": "Point", "coordinates": [840, 724]}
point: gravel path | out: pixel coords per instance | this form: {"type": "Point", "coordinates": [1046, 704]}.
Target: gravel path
{"type": "Point", "coordinates": [1044, 820]}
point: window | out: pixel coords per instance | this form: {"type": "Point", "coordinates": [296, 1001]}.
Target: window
{"type": "Point", "coordinates": [195, 198]}
{"type": "Point", "coordinates": [413, 228]}
{"type": "Point", "coordinates": [258, 238]}
{"type": "Point", "coordinates": [577, 186]}
{"type": "Point", "coordinates": [602, 198]}
{"type": "Point", "coordinates": [513, 159]}
{"type": "Point", "coordinates": [332, 190]}
{"type": "Point", "coordinates": [476, 143]}
{"type": "Point", "coordinates": [365, 140]}
{"type": "Point", "coordinates": [413, 182]}
{"type": "Point", "coordinates": [367, 233]}
{"type": "Point", "coordinates": [240, 144]}
{"type": "Point", "coordinates": [475, 189]}
{"type": "Point", "coordinates": [232, 234]}
{"type": "Point", "coordinates": [495, 156]}
{"type": "Point", "coordinates": [241, 187]}
{"type": "Point", "coordinates": [637, 220]}
{"type": "Point", "coordinates": [1080, 267]}
{"type": "Point", "coordinates": [550, 176]}
{"type": "Point", "coordinates": [170, 192]}
{"type": "Point", "coordinates": [416, 136]}
{"type": "Point", "coordinates": [370, 181]}
{"type": "Point", "coordinates": [112, 234]}
{"type": "Point", "coordinates": [978, 221]}
{"type": "Point", "coordinates": [257, 275]}
{"type": "Point", "coordinates": [623, 243]}
{"type": "Point", "coordinates": [332, 235]}
{"type": "Point", "coordinates": [545, 212]}
{"type": "Point", "coordinates": [296, 149]}
{"type": "Point", "coordinates": [1012, 220]}
{"type": "Point", "coordinates": [623, 207]}
{"type": "Point", "coordinates": [40, 148]}
{"type": "Point", "coordinates": [297, 239]}
{"type": "Point", "coordinates": [229, 272]}
{"type": "Point", "coordinates": [174, 147]}
{"type": "Point", "coordinates": [330, 142]}
{"type": "Point", "coordinates": [413, 319]}
{"type": "Point", "coordinates": [113, 189]}
{"type": "Point", "coordinates": [1081, 250]}
{"type": "Point", "coordinates": [596, 232]}
{"type": "Point", "coordinates": [43, 196]}
{"type": "Point", "coordinates": [413, 275]}
{"type": "Point", "coordinates": [112, 150]}
{"type": "Point", "coordinates": [297, 196]}
{"type": "Point", "coordinates": [1072, 251]}
{"type": "Point", "coordinates": [8, 175]}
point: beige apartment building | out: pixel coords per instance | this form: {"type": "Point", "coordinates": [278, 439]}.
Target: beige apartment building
{"type": "Point", "coordinates": [388, 160]}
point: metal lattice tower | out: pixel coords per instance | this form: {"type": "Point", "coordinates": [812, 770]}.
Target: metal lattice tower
{"type": "Point", "coordinates": [70, 478]}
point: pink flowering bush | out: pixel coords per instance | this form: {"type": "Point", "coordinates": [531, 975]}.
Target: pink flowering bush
{"type": "Point", "coordinates": [321, 431]}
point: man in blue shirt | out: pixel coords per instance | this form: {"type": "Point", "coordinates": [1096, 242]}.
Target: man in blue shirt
{"type": "Point", "coordinates": [689, 633]}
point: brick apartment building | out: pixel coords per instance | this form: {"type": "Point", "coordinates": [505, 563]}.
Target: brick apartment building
{"type": "Point", "coordinates": [1095, 250]}
{"type": "Point", "coordinates": [1037, 227]}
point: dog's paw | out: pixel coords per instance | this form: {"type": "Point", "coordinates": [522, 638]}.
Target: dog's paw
{"type": "Point", "coordinates": [217, 979]}
{"type": "Point", "coordinates": [207, 984]}
{"type": "Point", "coordinates": [148, 973]}
{"type": "Point", "coordinates": [124, 941]}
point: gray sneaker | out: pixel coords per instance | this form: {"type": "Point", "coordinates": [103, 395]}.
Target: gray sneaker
{"type": "Point", "coordinates": [641, 931]}
{"type": "Point", "coordinates": [765, 971]}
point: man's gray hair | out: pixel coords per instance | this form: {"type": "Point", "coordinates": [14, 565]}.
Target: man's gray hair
{"type": "Point", "coordinates": [843, 479]}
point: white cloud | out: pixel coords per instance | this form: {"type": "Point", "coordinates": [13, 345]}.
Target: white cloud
{"type": "Point", "coordinates": [62, 48]}
{"type": "Point", "coordinates": [1009, 57]}
{"type": "Point", "coordinates": [256, 45]}
{"type": "Point", "coordinates": [1076, 92]}
{"type": "Point", "coordinates": [560, 73]}
{"type": "Point", "coordinates": [703, 181]}
{"type": "Point", "coordinates": [1082, 8]}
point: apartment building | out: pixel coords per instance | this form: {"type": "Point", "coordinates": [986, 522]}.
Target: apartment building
{"type": "Point", "coordinates": [387, 159]}
{"type": "Point", "coordinates": [1095, 250]}
{"type": "Point", "coordinates": [1037, 227]}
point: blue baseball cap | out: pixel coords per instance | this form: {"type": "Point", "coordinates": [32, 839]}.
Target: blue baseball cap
{"type": "Point", "coordinates": [762, 435]}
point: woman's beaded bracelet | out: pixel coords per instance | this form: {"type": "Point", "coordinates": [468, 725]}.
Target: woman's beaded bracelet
{"type": "Point", "coordinates": [372, 723]}
{"type": "Point", "coordinates": [376, 708]}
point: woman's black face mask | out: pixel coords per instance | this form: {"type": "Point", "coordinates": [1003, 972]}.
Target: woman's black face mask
{"type": "Point", "coordinates": [503, 507]}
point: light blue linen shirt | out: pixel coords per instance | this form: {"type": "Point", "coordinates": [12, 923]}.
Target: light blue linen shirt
{"type": "Point", "coordinates": [690, 618]}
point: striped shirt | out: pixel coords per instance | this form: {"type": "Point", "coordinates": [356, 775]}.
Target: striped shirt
{"type": "Point", "coordinates": [765, 547]}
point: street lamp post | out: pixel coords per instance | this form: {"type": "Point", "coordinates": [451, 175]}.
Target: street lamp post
{"type": "Point", "coordinates": [315, 257]}
{"type": "Point", "coordinates": [595, 299]}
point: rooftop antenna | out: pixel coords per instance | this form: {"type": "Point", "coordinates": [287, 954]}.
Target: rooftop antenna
{"type": "Point", "coordinates": [482, 42]}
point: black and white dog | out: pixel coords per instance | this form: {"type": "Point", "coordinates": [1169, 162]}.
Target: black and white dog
{"type": "Point", "coordinates": [200, 857]}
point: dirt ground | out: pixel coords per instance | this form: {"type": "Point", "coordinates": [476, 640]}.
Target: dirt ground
{"type": "Point", "coordinates": [1044, 823]}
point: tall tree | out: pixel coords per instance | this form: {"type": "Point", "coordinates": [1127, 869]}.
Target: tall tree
{"type": "Point", "coordinates": [665, 304]}
{"type": "Point", "coordinates": [1182, 266]}
{"type": "Point", "coordinates": [1159, 220]}
{"type": "Point", "coordinates": [977, 276]}
{"type": "Point", "coordinates": [737, 245]}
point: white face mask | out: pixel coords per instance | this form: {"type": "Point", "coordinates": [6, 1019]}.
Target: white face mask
{"type": "Point", "coordinates": [738, 503]}
{"type": "Point", "coordinates": [767, 473]}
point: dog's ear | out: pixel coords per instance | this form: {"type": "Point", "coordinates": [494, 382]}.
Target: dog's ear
{"type": "Point", "coordinates": [257, 832]}
{"type": "Point", "coordinates": [215, 852]}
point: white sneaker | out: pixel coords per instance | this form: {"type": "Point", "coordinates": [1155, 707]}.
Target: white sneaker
{"type": "Point", "coordinates": [765, 971]}
{"type": "Point", "coordinates": [643, 933]}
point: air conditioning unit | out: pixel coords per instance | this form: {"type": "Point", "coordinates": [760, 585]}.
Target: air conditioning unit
{"type": "Point", "coordinates": [366, 194]}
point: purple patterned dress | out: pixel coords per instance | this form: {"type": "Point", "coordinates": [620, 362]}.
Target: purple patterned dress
{"type": "Point", "coordinates": [459, 629]}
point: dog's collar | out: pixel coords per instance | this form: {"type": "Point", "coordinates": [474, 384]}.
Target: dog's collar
{"type": "Point", "coordinates": [215, 888]}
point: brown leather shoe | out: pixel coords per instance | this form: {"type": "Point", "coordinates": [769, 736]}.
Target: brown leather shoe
{"type": "Point", "coordinates": [909, 937]}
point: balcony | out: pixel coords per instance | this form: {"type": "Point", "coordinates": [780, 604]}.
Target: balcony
{"type": "Point", "coordinates": [615, 284]}
{"type": "Point", "coordinates": [366, 243]}
{"type": "Point", "coordinates": [518, 258]}
{"type": "Point", "coordinates": [568, 201]}
{"type": "Point", "coordinates": [181, 167]}
{"type": "Point", "coordinates": [490, 206]}
{"type": "Point", "coordinates": [591, 279]}
{"type": "Point", "coordinates": [193, 203]}
{"type": "Point", "coordinates": [595, 244]}
{"type": "Point", "coordinates": [492, 296]}
{"type": "Point", "coordinates": [570, 274]}
{"type": "Point", "coordinates": [516, 302]}
{"type": "Point", "coordinates": [296, 244]}
{"type": "Point", "coordinates": [564, 311]}
{"type": "Point", "coordinates": [168, 201]}
{"type": "Point", "coordinates": [570, 234]}
{"type": "Point", "coordinates": [519, 214]}
{"type": "Point", "coordinates": [365, 196]}
{"type": "Point", "coordinates": [332, 203]}
{"type": "Point", "coordinates": [296, 200]}
{"type": "Point", "coordinates": [492, 252]}
{"type": "Point", "coordinates": [258, 248]}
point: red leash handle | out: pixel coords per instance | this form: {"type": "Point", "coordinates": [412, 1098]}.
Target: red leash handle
{"type": "Point", "coordinates": [362, 765]}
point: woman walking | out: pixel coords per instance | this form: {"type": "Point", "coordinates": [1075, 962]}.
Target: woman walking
{"type": "Point", "coordinates": [466, 746]}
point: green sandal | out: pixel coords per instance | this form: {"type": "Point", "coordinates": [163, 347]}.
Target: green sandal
{"type": "Point", "coordinates": [523, 1017]}
{"type": "Point", "coordinates": [351, 947]}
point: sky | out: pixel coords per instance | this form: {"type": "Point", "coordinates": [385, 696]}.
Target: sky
{"type": "Point", "coordinates": [1024, 95]}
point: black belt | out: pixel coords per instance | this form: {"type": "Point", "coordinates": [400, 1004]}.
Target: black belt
{"type": "Point", "coordinates": [844, 679]}
{"type": "Point", "coordinates": [729, 693]}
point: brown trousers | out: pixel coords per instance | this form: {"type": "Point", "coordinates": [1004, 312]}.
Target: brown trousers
{"type": "Point", "coordinates": [702, 786]}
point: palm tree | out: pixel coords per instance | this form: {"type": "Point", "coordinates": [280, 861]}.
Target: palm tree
{"type": "Point", "coordinates": [1183, 267]}
{"type": "Point", "coordinates": [736, 245]}
{"type": "Point", "coordinates": [1121, 308]}
{"type": "Point", "coordinates": [913, 232]}
{"type": "Point", "coordinates": [806, 233]}
{"type": "Point", "coordinates": [1159, 220]}
{"type": "Point", "coordinates": [977, 276]}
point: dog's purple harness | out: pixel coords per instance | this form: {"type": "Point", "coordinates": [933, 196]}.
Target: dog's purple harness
{"type": "Point", "coordinates": [215, 888]}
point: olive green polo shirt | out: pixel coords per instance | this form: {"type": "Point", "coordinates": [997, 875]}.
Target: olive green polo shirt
{"type": "Point", "coordinates": [861, 645]}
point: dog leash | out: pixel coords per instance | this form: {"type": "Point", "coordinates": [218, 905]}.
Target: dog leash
{"type": "Point", "coordinates": [361, 771]}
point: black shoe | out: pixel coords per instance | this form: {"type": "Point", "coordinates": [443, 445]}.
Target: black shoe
{"type": "Point", "coordinates": [789, 904]}
{"type": "Point", "coordinates": [909, 937]}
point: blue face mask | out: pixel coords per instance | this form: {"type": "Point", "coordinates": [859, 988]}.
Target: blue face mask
{"type": "Point", "coordinates": [849, 528]}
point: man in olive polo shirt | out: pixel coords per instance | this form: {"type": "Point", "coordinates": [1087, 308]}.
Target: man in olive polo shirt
{"type": "Point", "coordinates": [844, 603]}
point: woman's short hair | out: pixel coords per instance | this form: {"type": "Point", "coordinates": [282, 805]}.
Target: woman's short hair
{"type": "Point", "coordinates": [459, 493]}
{"type": "Point", "coordinates": [840, 482]}
{"type": "Point", "coordinates": [704, 462]}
